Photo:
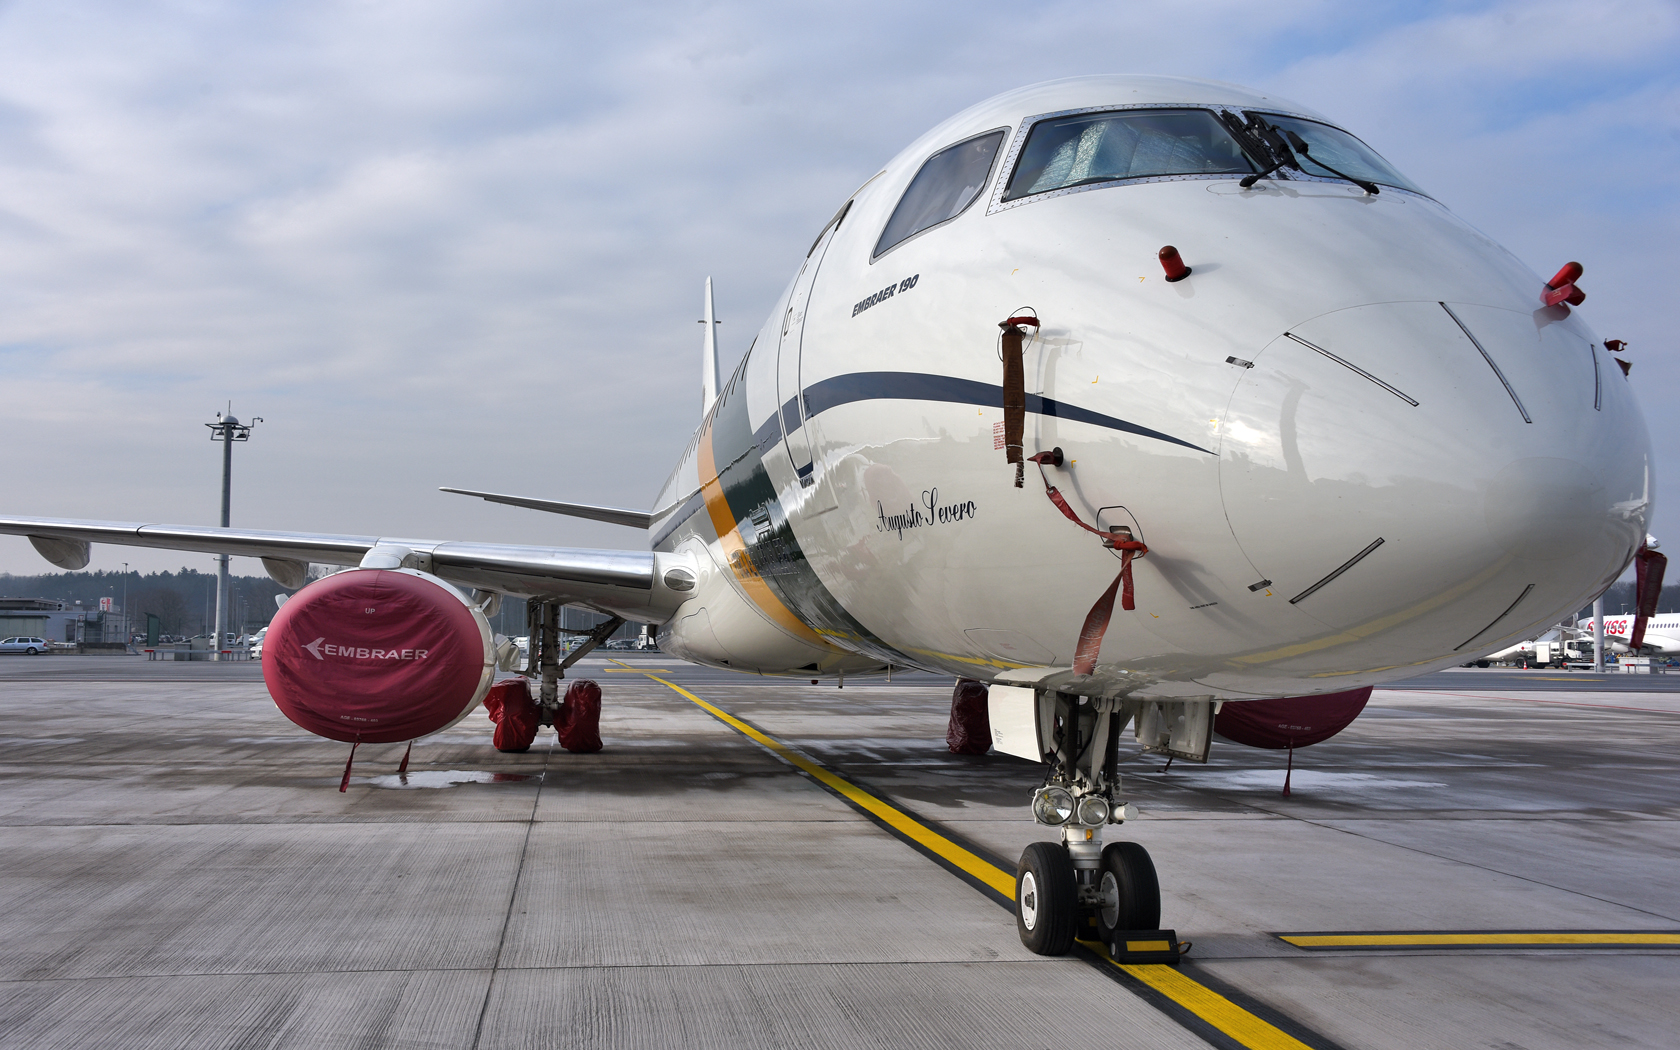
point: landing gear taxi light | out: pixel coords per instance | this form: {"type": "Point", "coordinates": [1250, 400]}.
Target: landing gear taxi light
{"type": "Point", "coordinates": [1053, 805]}
{"type": "Point", "coordinates": [1093, 809]}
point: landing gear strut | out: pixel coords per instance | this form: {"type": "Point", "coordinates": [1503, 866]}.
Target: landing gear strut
{"type": "Point", "coordinates": [545, 662]}
{"type": "Point", "coordinates": [1078, 888]}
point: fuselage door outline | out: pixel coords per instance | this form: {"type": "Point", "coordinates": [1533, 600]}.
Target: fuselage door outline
{"type": "Point", "coordinates": [789, 389]}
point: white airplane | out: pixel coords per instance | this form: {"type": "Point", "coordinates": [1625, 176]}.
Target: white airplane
{"type": "Point", "coordinates": [1129, 396]}
{"type": "Point", "coordinates": [1662, 634]}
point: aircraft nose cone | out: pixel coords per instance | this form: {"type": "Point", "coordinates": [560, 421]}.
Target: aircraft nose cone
{"type": "Point", "coordinates": [1540, 506]}
{"type": "Point", "coordinates": [1429, 479]}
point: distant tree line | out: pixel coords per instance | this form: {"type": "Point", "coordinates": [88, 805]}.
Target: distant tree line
{"type": "Point", "coordinates": [184, 600]}
{"type": "Point", "coordinates": [1619, 598]}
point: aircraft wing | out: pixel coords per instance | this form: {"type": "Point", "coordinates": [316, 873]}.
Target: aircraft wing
{"type": "Point", "coordinates": [627, 583]}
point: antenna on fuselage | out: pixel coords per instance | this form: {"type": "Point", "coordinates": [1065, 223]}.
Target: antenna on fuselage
{"type": "Point", "coordinates": [708, 360]}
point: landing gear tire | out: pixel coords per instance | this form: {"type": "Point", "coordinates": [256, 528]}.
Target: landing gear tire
{"type": "Point", "coordinates": [1129, 892]}
{"type": "Point", "coordinates": [1046, 899]}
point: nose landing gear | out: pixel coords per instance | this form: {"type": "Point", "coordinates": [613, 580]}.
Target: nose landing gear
{"type": "Point", "coordinates": [1078, 888]}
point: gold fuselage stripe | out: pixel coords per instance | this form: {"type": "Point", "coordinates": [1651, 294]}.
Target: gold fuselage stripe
{"type": "Point", "coordinates": [735, 552]}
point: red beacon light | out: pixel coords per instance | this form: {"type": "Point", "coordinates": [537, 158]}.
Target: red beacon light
{"type": "Point", "coordinates": [1561, 288]}
{"type": "Point", "coordinates": [1173, 263]}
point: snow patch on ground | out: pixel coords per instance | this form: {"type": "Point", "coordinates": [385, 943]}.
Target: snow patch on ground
{"type": "Point", "coordinates": [1304, 780]}
{"type": "Point", "coordinates": [436, 778]}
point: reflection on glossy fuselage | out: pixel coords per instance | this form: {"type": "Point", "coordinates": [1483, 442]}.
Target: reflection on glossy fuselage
{"type": "Point", "coordinates": [1355, 443]}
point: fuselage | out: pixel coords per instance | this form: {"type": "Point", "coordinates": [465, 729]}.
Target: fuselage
{"type": "Point", "coordinates": [1345, 381]}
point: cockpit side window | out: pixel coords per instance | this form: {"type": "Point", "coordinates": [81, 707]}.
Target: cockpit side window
{"type": "Point", "coordinates": [1131, 144]}
{"type": "Point", "coordinates": [1340, 151]}
{"type": "Point", "coordinates": [947, 183]}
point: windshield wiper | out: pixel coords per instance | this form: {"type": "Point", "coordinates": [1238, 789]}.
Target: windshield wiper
{"type": "Point", "coordinates": [1090, 179]}
{"type": "Point", "coordinates": [1262, 143]}
{"type": "Point", "coordinates": [1300, 145]}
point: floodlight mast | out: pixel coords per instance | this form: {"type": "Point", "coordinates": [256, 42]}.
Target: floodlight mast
{"type": "Point", "coordinates": [1598, 635]}
{"type": "Point", "coordinates": [227, 429]}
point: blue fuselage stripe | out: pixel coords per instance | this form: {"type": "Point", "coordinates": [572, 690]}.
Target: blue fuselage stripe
{"type": "Point", "coordinates": [906, 386]}
{"type": "Point", "coordinates": [922, 386]}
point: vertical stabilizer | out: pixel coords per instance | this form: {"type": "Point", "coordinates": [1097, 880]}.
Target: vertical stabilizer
{"type": "Point", "coordinates": [709, 362]}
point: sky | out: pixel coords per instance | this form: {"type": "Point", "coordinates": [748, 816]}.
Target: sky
{"type": "Point", "coordinates": [464, 243]}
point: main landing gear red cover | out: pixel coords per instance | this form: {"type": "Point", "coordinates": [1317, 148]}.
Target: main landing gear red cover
{"type": "Point", "coordinates": [515, 713]}
{"type": "Point", "coordinates": [517, 716]}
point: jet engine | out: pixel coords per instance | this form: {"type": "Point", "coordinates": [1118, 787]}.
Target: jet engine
{"type": "Point", "coordinates": [378, 655]}
{"type": "Point", "coordinates": [1290, 721]}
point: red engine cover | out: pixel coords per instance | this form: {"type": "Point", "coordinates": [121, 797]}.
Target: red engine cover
{"type": "Point", "coordinates": [1292, 721]}
{"type": "Point", "coordinates": [379, 655]}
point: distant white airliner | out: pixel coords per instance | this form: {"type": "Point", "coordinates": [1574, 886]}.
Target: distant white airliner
{"type": "Point", "coordinates": [1126, 395]}
{"type": "Point", "coordinates": [1662, 634]}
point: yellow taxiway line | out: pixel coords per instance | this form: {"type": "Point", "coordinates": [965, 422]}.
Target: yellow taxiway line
{"type": "Point", "coordinates": [1188, 994]}
{"type": "Point", "coordinates": [1487, 939]}
{"type": "Point", "coordinates": [890, 815]}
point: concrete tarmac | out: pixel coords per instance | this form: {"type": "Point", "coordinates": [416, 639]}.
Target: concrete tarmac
{"type": "Point", "coordinates": [178, 869]}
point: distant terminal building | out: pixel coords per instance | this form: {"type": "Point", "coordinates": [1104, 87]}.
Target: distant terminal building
{"type": "Point", "coordinates": [56, 621]}
{"type": "Point", "coordinates": [37, 617]}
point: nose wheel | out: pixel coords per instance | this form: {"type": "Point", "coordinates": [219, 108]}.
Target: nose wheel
{"type": "Point", "coordinates": [1128, 893]}
{"type": "Point", "coordinates": [1055, 901]}
{"type": "Point", "coordinates": [1046, 899]}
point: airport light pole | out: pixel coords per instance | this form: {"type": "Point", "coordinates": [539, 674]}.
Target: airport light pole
{"type": "Point", "coordinates": [1598, 634]}
{"type": "Point", "coordinates": [227, 429]}
{"type": "Point", "coordinates": [128, 632]}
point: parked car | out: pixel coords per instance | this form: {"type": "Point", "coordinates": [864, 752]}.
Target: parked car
{"type": "Point", "coordinates": [23, 644]}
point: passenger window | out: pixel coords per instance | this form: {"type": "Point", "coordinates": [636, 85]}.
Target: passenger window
{"type": "Point", "coordinates": [948, 182]}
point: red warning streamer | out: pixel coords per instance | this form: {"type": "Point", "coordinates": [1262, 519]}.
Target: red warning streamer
{"type": "Point", "coordinates": [1014, 388]}
{"type": "Point", "coordinates": [344, 785]}
{"type": "Point", "coordinates": [1096, 621]}
{"type": "Point", "coordinates": [1648, 569]}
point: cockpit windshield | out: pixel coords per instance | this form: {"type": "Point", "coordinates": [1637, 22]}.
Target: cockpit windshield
{"type": "Point", "coordinates": [1129, 144]}
{"type": "Point", "coordinates": [1341, 151]}
{"type": "Point", "coordinates": [1085, 148]}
